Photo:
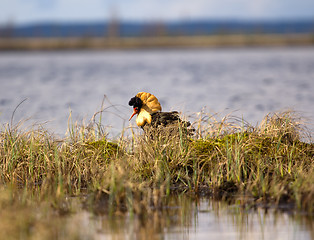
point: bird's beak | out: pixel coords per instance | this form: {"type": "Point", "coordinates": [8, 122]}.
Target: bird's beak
{"type": "Point", "coordinates": [135, 112]}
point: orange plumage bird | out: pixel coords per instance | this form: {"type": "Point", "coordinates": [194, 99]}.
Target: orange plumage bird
{"type": "Point", "coordinates": [149, 114]}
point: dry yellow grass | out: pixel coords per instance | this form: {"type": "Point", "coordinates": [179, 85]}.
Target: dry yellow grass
{"type": "Point", "coordinates": [270, 163]}
{"type": "Point", "coordinates": [224, 40]}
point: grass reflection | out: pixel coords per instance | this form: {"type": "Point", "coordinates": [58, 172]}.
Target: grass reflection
{"type": "Point", "coordinates": [181, 216]}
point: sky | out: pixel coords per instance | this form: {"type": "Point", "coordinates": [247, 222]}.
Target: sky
{"type": "Point", "coordinates": [34, 11]}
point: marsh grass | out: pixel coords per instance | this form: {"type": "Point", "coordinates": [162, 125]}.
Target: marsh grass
{"type": "Point", "coordinates": [219, 40]}
{"type": "Point", "coordinates": [270, 164]}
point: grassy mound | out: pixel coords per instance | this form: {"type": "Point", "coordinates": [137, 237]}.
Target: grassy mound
{"type": "Point", "coordinates": [268, 164]}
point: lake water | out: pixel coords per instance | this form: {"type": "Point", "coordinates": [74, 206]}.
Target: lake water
{"type": "Point", "coordinates": [247, 82]}
{"type": "Point", "coordinates": [184, 217]}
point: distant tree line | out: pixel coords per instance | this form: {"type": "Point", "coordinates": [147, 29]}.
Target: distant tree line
{"type": "Point", "coordinates": [115, 28]}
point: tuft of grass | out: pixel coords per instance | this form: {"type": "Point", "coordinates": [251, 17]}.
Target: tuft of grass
{"type": "Point", "coordinates": [226, 159]}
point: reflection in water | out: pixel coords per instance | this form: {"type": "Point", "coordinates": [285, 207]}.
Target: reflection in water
{"type": "Point", "coordinates": [184, 217]}
{"type": "Point", "coordinates": [177, 217]}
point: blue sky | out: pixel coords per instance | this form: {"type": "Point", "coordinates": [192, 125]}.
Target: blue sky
{"type": "Point", "coordinates": [29, 11]}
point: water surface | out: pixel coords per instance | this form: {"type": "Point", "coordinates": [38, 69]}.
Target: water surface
{"type": "Point", "coordinates": [189, 218]}
{"type": "Point", "coordinates": [247, 82]}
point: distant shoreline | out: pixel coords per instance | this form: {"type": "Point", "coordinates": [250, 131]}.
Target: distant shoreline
{"type": "Point", "coordinates": [211, 41]}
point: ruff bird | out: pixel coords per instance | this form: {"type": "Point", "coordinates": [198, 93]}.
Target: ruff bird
{"type": "Point", "coordinates": [150, 117]}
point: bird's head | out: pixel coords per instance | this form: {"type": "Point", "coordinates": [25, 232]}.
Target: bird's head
{"type": "Point", "coordinates": [137, 104]}
{"type": "Point", "coordinates": [144, 104]}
